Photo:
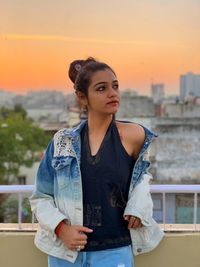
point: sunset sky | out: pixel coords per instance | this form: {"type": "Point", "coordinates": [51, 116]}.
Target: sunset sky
{"type": "Point", "coordinates": [144, 41]}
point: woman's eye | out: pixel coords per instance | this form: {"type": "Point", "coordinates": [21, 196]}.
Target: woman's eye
{"type": "Point", "coordinates": [101, 88]}
{"type": "Point", "coordinates": [115, 86]}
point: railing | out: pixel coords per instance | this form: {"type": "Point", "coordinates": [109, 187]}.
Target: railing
{"type": "Point", "coordinates": [155, 189]}
{"type": "Point", "coordinates": [181, 189]}
{"type": "Point", "coordinates": [20, 190]}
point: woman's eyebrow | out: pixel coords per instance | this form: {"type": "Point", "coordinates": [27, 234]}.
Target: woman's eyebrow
{"type": "Point", "coordinates": [99, 83]}
{"type": "Point", "coordinates": [105, 82]}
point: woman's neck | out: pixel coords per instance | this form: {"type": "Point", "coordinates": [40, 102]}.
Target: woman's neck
{"type": "Point", "coordinates": [98, 123]}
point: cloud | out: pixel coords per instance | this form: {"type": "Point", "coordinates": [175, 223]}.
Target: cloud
{"type": "Point", "coordinates": [155, 44]}
{"type": "Point", "coordinates": [21, 37]}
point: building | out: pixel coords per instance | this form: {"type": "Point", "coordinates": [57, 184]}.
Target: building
{"type": "Point", "coordinates": [133, 105]}
{"type": "Point", "coordinates": [175, 153]}
{"type": "Point", "coordinates": [157, 92]}
{"type": "Point", "coordinates": [189, 85]}
{"type": "Point", "coordinates": [6, 99]}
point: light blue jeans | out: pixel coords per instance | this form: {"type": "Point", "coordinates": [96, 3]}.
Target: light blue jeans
{"type": "Point", "coordinates": [117, 257]}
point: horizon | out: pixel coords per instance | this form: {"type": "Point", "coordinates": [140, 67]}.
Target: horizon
{"type": "Point", "coordinates": [143, 42]}
{"type": "Point", "coordinates": [71, 91]}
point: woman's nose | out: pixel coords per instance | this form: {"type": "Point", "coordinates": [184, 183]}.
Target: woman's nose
{"type": "Point", "coordinates": [112, 92]}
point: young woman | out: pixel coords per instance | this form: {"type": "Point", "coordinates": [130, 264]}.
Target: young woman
{"type": "Point", "coordinates": [92, 197]}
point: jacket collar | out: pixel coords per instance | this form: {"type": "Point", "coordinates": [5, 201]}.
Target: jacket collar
{"type": "Point", "coordinates": [73, 133]}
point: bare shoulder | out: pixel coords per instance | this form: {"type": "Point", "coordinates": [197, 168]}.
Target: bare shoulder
{"type": "Point", "coordinates": [132, 135]}
{"type": "Point", "coordinates": [132, 131]}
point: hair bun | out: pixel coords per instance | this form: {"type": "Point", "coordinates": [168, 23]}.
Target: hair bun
{"type": "Point", "coordinates": [76, 66]}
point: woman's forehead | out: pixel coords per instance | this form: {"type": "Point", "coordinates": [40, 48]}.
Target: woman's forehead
{"type": "Point", "coordinates": [103, 76]}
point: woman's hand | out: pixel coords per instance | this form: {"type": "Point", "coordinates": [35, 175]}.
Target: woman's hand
{"type": "Point", "coordinates": [133, 222]}
{"type": "Point", "coordinates": [74, 236]}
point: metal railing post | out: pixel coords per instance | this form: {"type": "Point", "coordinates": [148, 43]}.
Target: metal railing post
{"type": "Point", "coordinates": [164, 209]}
{"type": "Point", "coordinates": [195, 211]}
{"type": "Point", "coordinates": [20, 210]}
{"type": "Point", "coordinates": [33, 220]}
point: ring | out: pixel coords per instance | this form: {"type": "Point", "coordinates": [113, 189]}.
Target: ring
{"type": "Point", "coordinates": [78, 248]}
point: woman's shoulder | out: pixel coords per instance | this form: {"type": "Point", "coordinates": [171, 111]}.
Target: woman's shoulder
{"type": "Point", "coordinates": [132, 135]}
{"type": "Point", "coordinates": [132, 131]}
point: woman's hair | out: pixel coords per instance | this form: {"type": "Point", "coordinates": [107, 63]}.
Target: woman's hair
{"type": "Point", "coordinates": [81, 71]}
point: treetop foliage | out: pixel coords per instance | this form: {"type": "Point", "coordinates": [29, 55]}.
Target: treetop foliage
{"type": "Point", "coordinates": [21, 142]}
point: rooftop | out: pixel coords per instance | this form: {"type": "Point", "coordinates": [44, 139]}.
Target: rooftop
{"type": "Point", "coordinates": [175, 250]}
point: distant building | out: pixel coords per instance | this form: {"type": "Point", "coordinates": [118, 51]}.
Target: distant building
{"type": "Point", "coordinates": [189, 109]}
{"type": "Point", "coordinates": [157, 92]}
{"type": "Point", "coordinates": [133, 105]}
{"type": "Point", "coordinates": [176, 150]}
{"type": "Point", "coordinates": [189, 85]}
{"type": "Point", "coordinates": [47, 106]}
{"type": "Point", "coordinates": [44, 99]}
{"type": "Point", "coordinates": [6, 99]}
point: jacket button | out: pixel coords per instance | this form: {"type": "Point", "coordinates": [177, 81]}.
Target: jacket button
{"type": "Point", "coordinates": [139, 250]}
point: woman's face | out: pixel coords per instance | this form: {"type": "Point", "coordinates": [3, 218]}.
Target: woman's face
{"type": "Point", "coordinates": [103, 93]}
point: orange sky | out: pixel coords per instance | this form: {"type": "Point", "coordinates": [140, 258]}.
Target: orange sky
{"type": "Point", "coordinates": [144, 41]}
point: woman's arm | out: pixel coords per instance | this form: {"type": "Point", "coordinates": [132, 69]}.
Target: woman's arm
{"type": "Point", "coordinates": [48, 215]}
{"type": "Point", "coordinates": [132, 137]}
{"type": "Point", "coordinates": [42, 199]}
{"type": "Point", "coordinates": [140, 203]}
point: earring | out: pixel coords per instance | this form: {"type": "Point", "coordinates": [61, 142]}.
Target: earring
{"type": "Point", "coordinates": [84, 108]}
{"type": "Point", "coordinates": [83, 112]}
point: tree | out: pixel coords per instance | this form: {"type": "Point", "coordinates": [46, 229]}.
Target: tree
{"type": "Point", "coordinates": [21, 143]}
{"type": "Point", "coordinates": [18, 109]}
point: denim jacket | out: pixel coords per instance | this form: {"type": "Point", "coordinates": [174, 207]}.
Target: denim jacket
{"type": "Point", "coordinates": [58, 195]}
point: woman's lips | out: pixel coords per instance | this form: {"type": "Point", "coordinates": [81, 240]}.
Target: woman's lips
{"type": "Point", "coordinates": [113, 102]}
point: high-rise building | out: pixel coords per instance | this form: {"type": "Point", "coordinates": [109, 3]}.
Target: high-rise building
{"type": "Point", "coordinates": [189, 85]}
{"type": "Point", "coordinates": [157, 92]}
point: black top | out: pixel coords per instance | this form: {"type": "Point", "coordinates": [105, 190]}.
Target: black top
{"type": "Point", "coordinates": [105, 180]}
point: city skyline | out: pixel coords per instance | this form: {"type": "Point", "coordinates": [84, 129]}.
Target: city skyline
{"type": "Point", "coordinates": [144, 42]}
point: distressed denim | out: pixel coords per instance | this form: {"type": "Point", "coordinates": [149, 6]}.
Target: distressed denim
{"type": "Point", "coordinates": [58, 195]}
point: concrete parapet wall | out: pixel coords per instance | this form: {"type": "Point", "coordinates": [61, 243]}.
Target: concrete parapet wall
{"type": "Point", "coordinates": [176, 150]}
{"type": "Point", "coordinates": [176, 250]}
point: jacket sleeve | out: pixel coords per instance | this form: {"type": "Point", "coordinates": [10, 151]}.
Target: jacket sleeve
{"type": "Point", "coordinates": [140, 203]}
{"type": "Point", "coordinates": [42, 199]}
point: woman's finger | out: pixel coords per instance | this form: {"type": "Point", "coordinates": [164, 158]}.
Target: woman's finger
{"type": "Point", "coordinates": [134, 222]}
